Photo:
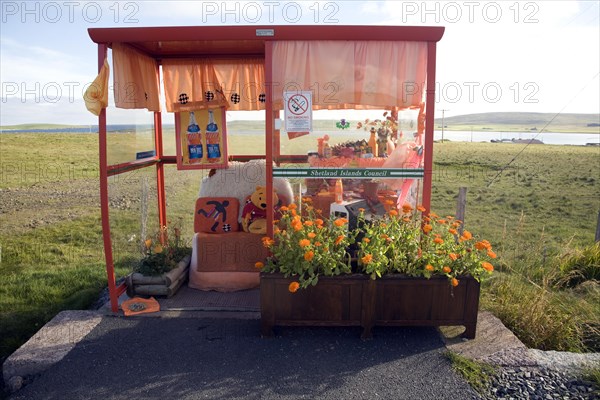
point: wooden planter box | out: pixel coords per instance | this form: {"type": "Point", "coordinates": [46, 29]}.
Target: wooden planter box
{"type": "Point", "coordinates": [165, 285]}
{"type": "Point", "coordinates": [356, 300]}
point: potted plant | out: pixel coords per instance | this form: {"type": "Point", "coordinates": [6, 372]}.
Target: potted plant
{"type": "Point", "coordinates": [404, 268]}
{"type": "Point", "coordinates": [164, 265]}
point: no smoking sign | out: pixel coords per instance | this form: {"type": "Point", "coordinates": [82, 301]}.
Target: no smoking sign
{"type": "Point", "coordinates": [298, 111]}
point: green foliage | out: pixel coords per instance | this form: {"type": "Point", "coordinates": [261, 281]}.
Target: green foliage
{"type": "Point", "coordinates": [306, 247]}
{"type": "Point", "coordinates": [578, 266]}
{"type": "Point", "coordinates": [163, 252]}
{"type": "Point", "coordinates": [477, 374]}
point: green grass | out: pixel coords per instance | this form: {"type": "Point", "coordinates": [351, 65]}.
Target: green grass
{"type": "Point", "coordinates": [522, 122]}
{"type": "Point", "coordinates": [477, 374]}
{"type": "Point", "coordinates": [546, 201]}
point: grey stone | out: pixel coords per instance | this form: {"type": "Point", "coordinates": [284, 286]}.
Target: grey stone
{"type": "Point", "coordinates": [14, 383]}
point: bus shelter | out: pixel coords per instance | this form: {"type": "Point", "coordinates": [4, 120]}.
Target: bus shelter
{"type": "Point", "coordinates": [285, 72]}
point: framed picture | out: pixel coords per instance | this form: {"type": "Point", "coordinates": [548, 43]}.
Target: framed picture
{"type": "Point", "coordinates": [201, 138]}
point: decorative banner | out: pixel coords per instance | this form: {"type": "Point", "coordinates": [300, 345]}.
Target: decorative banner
{"type": "Point", "coordinates": [298, 111]}
{"type": "Point", "coordinates": [201, 139]}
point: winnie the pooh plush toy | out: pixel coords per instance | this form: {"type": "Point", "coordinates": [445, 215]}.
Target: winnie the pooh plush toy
{"type": "Point", "coordinates": [254, 214]}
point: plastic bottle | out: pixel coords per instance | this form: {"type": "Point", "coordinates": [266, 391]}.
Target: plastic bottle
{"type": "Point", "coordinates": [339, 191]}
{"type": "Point", "coordinates": [373, 143]}
{"type": "Point", "coordinates": [212, 139]}
{"type": "Point", "coordinates": [194, 140]}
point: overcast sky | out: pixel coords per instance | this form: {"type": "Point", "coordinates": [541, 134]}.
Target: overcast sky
{"type": "Point", "coordinates": [528, 56]}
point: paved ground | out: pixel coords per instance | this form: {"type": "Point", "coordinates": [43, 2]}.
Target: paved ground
{"type": "Point", "coordinates": [221, 358]}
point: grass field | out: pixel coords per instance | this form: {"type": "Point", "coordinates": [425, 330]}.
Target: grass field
{"type": "Point", "coordinates": [541, 206]}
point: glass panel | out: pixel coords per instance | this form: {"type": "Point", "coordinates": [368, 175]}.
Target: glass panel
{"type": "Point", "coordinates": [246, 132]}
{"type": "Point", "coordinates": [181, 187]}
{"type": "Point", "coordinates": [133, 215]}
{"type": "Point", "coordinates": [168, 134]}
{"type": "Point", "coordinates": [130, 135]}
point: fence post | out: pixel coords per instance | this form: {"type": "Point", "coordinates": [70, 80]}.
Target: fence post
{"type": "Point", "coordinates": [461, 207]}
{"type": "Point", "coordinates": [598, 228]}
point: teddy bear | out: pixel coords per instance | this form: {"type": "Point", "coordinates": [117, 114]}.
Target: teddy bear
{"type": "Point", "coordinates": [254, 214]}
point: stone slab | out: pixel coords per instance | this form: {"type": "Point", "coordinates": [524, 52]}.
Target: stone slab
{"type": "Point", "coordinates": [50, 344]}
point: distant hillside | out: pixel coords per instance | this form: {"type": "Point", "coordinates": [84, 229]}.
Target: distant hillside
{"type": "Point", "coordinates": [514, 121]}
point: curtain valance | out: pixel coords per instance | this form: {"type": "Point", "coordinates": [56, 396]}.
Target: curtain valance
{"type": "Point", "coordinates": [351, 74]}
{"type": "Point", "coordinates": [237, 84]}
{"type": "Point", "coordinates": [136, 82]}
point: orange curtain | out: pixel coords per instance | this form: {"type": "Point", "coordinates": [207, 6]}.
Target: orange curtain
{"type": "Point", "coordinates": [351, 74]}
{"type": "Point", "coordinates": [136, 79]}
{"type": "Point", "coordinates": [236, 84]}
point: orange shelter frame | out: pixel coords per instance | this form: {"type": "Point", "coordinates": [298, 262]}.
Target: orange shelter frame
{"type": "Point", "coordinates": [239, 41]}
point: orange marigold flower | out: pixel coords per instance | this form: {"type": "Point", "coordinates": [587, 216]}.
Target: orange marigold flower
{"type": "Point", "coordinates": [283, 208]}
{"type": "Point", "coordinates": [421, 208]}
{"type": "Point", "coordinates": [438, 240]}
{"type": "Point", "coordinates": [293, 287]}
{"type": "Point", "coordinates": [366, 240]}
{"type": "Point", "coordinates": [259, 264]}
{"type": "Point", "coordinates": [429, 267]}
{"type": "Point", "coordinates": [466, 235]}
{"type": "Point", "coordinates": [453, 231]}
{"type": "Point", "coordinates": [304, 242]}
{"type": "Point", "coordinates": [406, 208]}
{"type": "Point", "coordinates": [367, 258]}
{"type": "Point", "coordinates": [393, 212]}
{"type": "Point", "coordinates": [339, 222]}
{"type": "Point", "coordinates": [454, 282]}
{"type": "Point", "coordinates": [442, 221]}
{"type": "Point", "coordinates": [294, 213]}
{"type": "Point", "coordinates": [383, 236]}
{"type": "Point", "coordinates": [480, 245]}
{"type": "Point", "coordinates": [309, 255]}
{"type": "Point", "coordinates": [339, 239]}
{"type": "Point", "coordinates": [148, 243]}
{"type": "Point", "coordinates": [491, 254]}
{"type": "Point", "coordinates": [267, 241]}
{"type": "Point", "coordinates": [453, 256]}
{"type": "Point", "coordinates": [433, 215]}
{"type": "Point", "coordinates": [390, 202]}
{"type": "Point", "coordinates": [309, 223]}
{"type": "Point", "coordinates": [449, 217]}
{"type": "Point", "coordinates": [293, 206]}
{"type": "Point", "coordinates": [158, 249]}
{"type": "Point", "coordinates": [297, 226]}
{"type": "Point", "coordinates": [406, 219]}
{"type": "Point", "coordinates": [487, 266]}
{"type": "Point", "coordinates": [446, 269]}
{"type": "Point", "coordinates": [427, 228]}
{"type": "Point", "coordinates": [307, 199]}
{"type": "Point", "coordinates": [319, 221]}
{"type": "Point", "coordinates": [311, 235]}
{"type": "Point", "coordinates": [318, 244]}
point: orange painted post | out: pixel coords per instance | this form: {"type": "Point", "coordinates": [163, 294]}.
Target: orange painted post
{"type": "Point", "coordinates": [104, 209]}
{"type": "Point", "coordinates": [429, 125]}
{"type": "Point", "coordinates": [269, 133]}
{"type": "Point", "coordinates": [160, 170]}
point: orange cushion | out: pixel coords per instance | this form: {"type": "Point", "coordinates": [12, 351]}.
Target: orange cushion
{"type": "Point", "coordinates": [216, 215]}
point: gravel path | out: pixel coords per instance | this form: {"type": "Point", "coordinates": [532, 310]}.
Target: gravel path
{"type": "Point", "coordinates": [544, 375]}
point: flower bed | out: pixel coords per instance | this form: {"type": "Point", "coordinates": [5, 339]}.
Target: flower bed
{"type": "Point", "coordinates": [356, 300]}
{"type": "Point", "coordinates": [405, 268]}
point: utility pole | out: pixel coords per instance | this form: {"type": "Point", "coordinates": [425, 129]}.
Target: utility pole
{"type": "Point", "coordinates": [443, 111]}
